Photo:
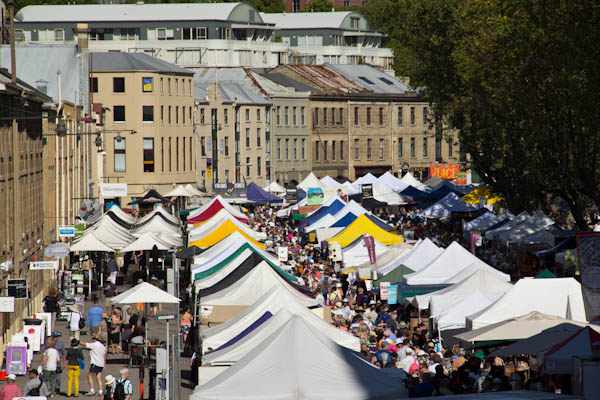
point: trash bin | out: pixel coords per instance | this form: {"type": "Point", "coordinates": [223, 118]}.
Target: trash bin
{"type": "Point", "coordinates": [32, 321]}
{"type": "Point", "coordinates": [152, 382]}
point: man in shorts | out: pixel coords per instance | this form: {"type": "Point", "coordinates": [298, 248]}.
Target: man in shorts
{"type": "Point", "coordinates": [98, 356]}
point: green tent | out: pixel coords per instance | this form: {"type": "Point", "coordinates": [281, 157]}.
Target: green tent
{"type": "Point", "coordinates": [212, 270]}
{"type": "Point", "coordinates": [396, 275]}
{"type": "Point", "coordinates": [545, 274]}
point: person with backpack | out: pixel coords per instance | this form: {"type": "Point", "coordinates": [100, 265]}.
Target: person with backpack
{"type": "Point", "coordinates": [35, 386]}
{"type": "Point", "coordinates": [109, 380]}
{"type": "Point", "coordinates": [122, 389]}
{"type": "Point", "coordinates": [74, 364]}
{"type": "Point", "coordinates": [76, 321]}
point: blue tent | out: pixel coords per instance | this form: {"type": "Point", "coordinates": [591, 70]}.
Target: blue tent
{"type": "Point", "coordinates": [344, 221]}
{"type": "Point", "coordinates": [446, 206]}
{"type": "Point", "coordinates": [333, 208]}
{"type": "Point", "coordinates": [259, 195]}
{"type": "Point", "coordinates": [415, 193]}
{"type": "Point", "coordinates": [379, 222]}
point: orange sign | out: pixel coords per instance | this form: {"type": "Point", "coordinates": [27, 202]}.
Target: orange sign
{"type": "Point", "coordinates": [444, 170]}
{"type": "Point", "coordinates": [461, 178]}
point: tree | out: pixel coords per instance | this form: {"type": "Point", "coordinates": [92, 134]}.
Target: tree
{"type": "Point", "coordinates": [318, 6]}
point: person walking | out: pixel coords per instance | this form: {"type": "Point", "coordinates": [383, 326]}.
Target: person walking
{"type": "Point", "coordinates": [50, 362]}
{"type": "Point", "coordinates": [98, 355]}
{"type": "Point", "coordinates": [74, 319]}
{"type": "Point", "coordinates": [109, 380]}
{"type": "Point", "coordinates": [72, 364]}
{"type": "Point", "coordinates": [186, 325]}
{"type": "Point", "coordinates": [10, 390]}
{"type": "Point", "coordinates": [122, 389]}
{"type": "Point", "coordinates": [94, 317]}
{"type": "Point", "coordinates": [115, 332]}
{"type": "Point", "coordinates": [60, 346]}
{"type": "Point", "coordinates": [52, 305]}
{"type": "Point", "coordinates": [35, 386]}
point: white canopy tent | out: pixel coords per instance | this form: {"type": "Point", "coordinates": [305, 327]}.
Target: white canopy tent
{"type": "Point", "coordinates": [159, 209]}
{"type": "Point", "coordinates": [448, 264]}
{"type": "Point", "coordinates": [156, 225]}
{"type": "Point", "coordinates": [421, 255]}
{"type": "Point", "coordinates": [311, 181]}
{"type": "Point", "coordinates": [111, 233]}
{"type": "Point", "coordinates": [516, 327]}
{"type": "Point", "coordinates": [454, 318]}
{"type": "Point", "coordinates": [173, 240]}
{"type": "Point", "coordinates": [388, 260]}
{"type": "Point", "coordinates": [351, 188]}
{"type": "Point", "coordinates": [146, 241]}
{"type": "Point", "coordinates": [179, 191]}
{"type": "Point", "coordinates": [195, 192]}
{"type": "Point", "coordinates": [560, 297]}
{"type": "Point", "coordinates": [273, 302]}
{"type": "Point", "coordinates": [283, 367]}
{"type": "Point", "coordinates": [541, 342]}
{"type": "Point", "coordinates": [89, 242]}
{"type": "Point", "coordinates": [235, 211]}
{"type": "Point", "coordinates": [369, 178]}
{"type": "Point", "coordinates": [390, 180]}
{"type": "Point", "coordinates": [385, 194]}
{"type": "Point", "coordinates": [495, 233]}
{"type": "Point", "coordinates": [221, 273]}
{"type": "Point", "coordinates": [225, 248]}
{"type": "Point", "coordinates": [275, 188]}
{"type": "Point", "coordinates": [145, 293]}
{"type": "Point", "coordinates": [118, 211]}
{"type": "Point", "coordinates": [410, 180]}
{"type": "Point", "coordinates": [330, 182]}
{"type": "Point", "coordinates": [356, 253]}
{"type": "Point", "coordinates": [441, 300]}
{"type": "Point", "coordinates": [219, 219]}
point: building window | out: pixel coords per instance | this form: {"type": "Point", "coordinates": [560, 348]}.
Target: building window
{"type": "Point", "coordinates": [369, 149]}
{"type": "Point", "coordinates": [202, 116]}
{"type": "Point", "coordinates": [324, 116]}
{"type": "Point", "coordinates": [287, 149]}
{"type": "Point", "coordinates": [162, 88]}
{"type": "Point", "coordinates": [380, 148]}
{"type": "Point", "coordinates": [183, 115]}
{"type": "Point", "coordinates": [316, 119]}
{"type": "Point", "coordinates": [295, 149]}
{"type": "Point", "coordinates": [258, 144]}
{"type": "Point", "coordinates": [169, 114]}
{"type": "Point", "coordinates": [450, 148]}
{"type": "Point", "coordinates": [380, 115]}
{"type": "Point", "coordinates": [177, 153]}
{"type": "Point", "coordinates": [224, 33]}
{"type": "Point", "coordinates": [302, 150]}
{"type": "Point", "coordinates": [368, 115]}
{"type": "Point", "coordinates": [177, 115]}
{"type": "Point", "coordinates": [94, 85]}
{"type": "Point", "coordinates": [317, 150]}
{"type": "Point", "coordinates": [169, 85]}
{"type": "Point", "coordinates": [412, 115]}
{"type": "Point", "coordinates": [193, 33]}
{"type": "Point", "coordinates": [169, 153]}
{"type": "Point", "coordinates": [258, 114]}
{"type": "Point", "coordinates": [226, 116]}
{"type": "Point", "coordinates": [162, 114]}
{"type": "Point", "coordinates": [302, 116]}
{"type": "Point", "coordinates": [425, 113]}
{"type": "Point", "coordinates": [333, 150]}
{"type": "Point", "coordinates": [341, 150]}
{"type": "Point", "coordinates": [148, 114]}
{"type": "Point", "coordinates": [294, 120]}
{"type": "Point", "coordinates": [412, 147]}
{"type": "Point", "coordinates": [247, 114]}
{"type": "Point", "coordinates": [248, 166]}
{"type": "Point", "coordinates": [120, 164]}
{"type": "Point", "coordinates": [354, 22]}
{"type": "Point", "coordinates": [341, 119]}
{"type": "Point", "coordinates": [119, 85]}
{"type": "Point", "coordinates": [162, 154]}
{"type": "Point", "coordinates": [325, 150]}
{"type": "Point", "coordinates": [400, 119]}
{"type": "Point", "coordinates": [356, 149]}
{"type": "Point", "coordinates": [191, 149]}
{"type": "Point", "coordinates": [279, 149]}
{"type": "Point", "coordinates": [226, 145]}
{"type": "Point", "coordinates": [147, 85]}
{"type": "Point", "coordinates": [286, 116]}
{"type": "Point", "coordinates": [258, 166]}
{"type": "Point", "coordinates": [119, 114]}
{"type": "Point", "coordinates": [247, 137]}
{"type": "Point", "coordinates": [399, 147]}
{"type": "Point", "coordinates": [226, 176]}
{"type": "Point", "coordinates": [148, 155]}
{"type": "Point", "coordinates": [424, 147]}
{"type": "Point", "coordinates": [355, 115]}
{"type": "Point", "coordinates": [333, 122]}
{"type": "Point", "coordinates": [278, 115]}
{"type": "Point", "coordinates": [202, 147]}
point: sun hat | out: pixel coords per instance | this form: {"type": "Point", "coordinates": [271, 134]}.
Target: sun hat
{"type": "Point", "coordinates": [338, 285]}
{"type": "Point", "coordinates": [346, 301]}
{"type": "Point", "coordinates": [73, 308]}
{"type": "Point", "coordinates": [402, 324]}
{"type": "Point", "coordinates": [12, 377]}
{"type": "Point", "coordinates": [74, 342]}
{"type": "Point", "coordinates": [109, 379]}
{"type": "Point", "coordinates": [421, 353]}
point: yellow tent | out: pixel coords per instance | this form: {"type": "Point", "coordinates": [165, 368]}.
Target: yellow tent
{"type": "Point", "coordinates": [364, 226]}
{"type": "Point", "coordinates": [220, 233]}
{"type": "Point", "coordinates": [482, 192]}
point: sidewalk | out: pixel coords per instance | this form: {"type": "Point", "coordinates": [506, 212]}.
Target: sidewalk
{"type": "Point", "coordinates": [156, 329]}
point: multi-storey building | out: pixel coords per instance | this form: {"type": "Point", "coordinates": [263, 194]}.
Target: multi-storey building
{"type": "Point", "coordinates": [23, 120]}
{"type": "Point", "coordinates": [294, 6]}
{"type": "Point", "coordinates": [144, 109]}
{"type": "Point", "coordinates": [208, 34]}
{"type": "Point", "coordinates": [233, 127]}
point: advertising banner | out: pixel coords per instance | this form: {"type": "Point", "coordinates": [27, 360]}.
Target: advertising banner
{"type": "Point", "coordinates": [370, 244]}
{"type": "Point", "coordinates": [474, 241]}
{"type": "Point", "coordinates": [7, 304]}
{"type": "Point", "coordinates": [315, 196]}
{"type": "Point", "coordinates": [367, 190]}
{"type": "Point", "coordinates": [209, 169]}
{"type": "Point", "coordinates": [383, 290]}
{"type": "Point", "coordinates": [444, 170]}
{"type": "Point", "coordinates": [66, 231]}
{"type": "Point", "coordinates": [588, 254]}
{"type": "Point", "coordinates": [113, 189]}
{"type": "Point", "coordinates": [39, 265]}
{"type": "Point", "coordinates": [392, 294]}
{"type": "Point", "coordinates": [282, 253]}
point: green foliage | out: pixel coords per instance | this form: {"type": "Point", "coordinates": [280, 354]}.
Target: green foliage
{"type": "Point", "coordinates": [318, 6]}
{"type": "Point", "coordinates": [519, 79]}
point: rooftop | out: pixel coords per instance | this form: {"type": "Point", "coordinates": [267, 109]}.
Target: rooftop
{"type": "Point", "coordinates": [310, 20]}
{"type": "Point", "coordinates": [325, 78]}
{"type": "Point", "coordinates": [371, 78]}
{"type": "Point", "coordinates": [234, 84]}
{"type": "Point", "coordinates": [120, 61]}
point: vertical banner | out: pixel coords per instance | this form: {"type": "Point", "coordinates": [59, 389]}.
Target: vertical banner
{"type": "Point", "coordinates": [588, 256]}
{"type": "Point", "coordinates": [383, 290]}
{"type": "Point", "coordinates": [474, 239]}
{"type": "Point", "coordinates": [392, 294]}
{"type": "Point", "coordinates": [209, 169]}
{"type": "Point", "coordinates": [370, 244]}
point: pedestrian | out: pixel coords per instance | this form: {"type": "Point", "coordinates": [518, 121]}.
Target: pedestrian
{"type": "Point", "coordinates": [72, 363]}
{"type": "Point", "coordinates": [52, 305]}
{"type": "Point", "coordinates": [186, 324]}
{"type": "Point", "coordinates": [94, 317]}
{"type": "Point", "coordinates": [109, 380]}
{"type": "Point", "coordinates": [60, 346]}
{"type": "Point", "coordinates": [10, 390]}
{"type": "Point", "coordinates": [50, 362]}
{"type": "Point", "coordinates": [98, 355]}
{"type": "Point", "coordinates": [113, 268]}
{"type": "Point", "coordinates": [115, 332]}
{"type": "Point", "coordinates": [74, 317]}
{"type": "Point", "coordinates": [35, 386]}
{"type": "Point", "coordinates": [122, 389]}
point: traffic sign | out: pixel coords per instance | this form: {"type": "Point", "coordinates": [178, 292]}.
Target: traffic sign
{"type": "Point", "coordinates": [57, 250]}
{"type": "Point", "coordinates": [66, 231]}
{"type": "Point", "coordinates": [90, 211]}
{"type": "Point", "coordinates": [39, 265]}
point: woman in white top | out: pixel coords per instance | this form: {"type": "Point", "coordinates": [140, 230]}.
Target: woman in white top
{"type": "Point", "coordinates": [74, 317]}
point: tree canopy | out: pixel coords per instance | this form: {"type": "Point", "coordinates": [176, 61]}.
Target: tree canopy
{"type": "Point", "coordinates": [518, 79]}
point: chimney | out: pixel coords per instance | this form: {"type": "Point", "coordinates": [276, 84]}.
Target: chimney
{"type": "Point", "coordinates": [82, 32]}
{"type": "Point", "coordinates": [42, 86]}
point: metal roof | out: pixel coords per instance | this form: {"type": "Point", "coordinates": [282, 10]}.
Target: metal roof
{"type": "Point", "coordinates": [286, 81]}
{"type": "Point", "coordinates": [371, 78]}
{"type": "Point", "coordinates": [326, 78]}
{"type": "Point", "coordinates": [120, 61]}
{"type": "Point", "coordinates": [234, 84]}
{"type": "Point", "coordinates": [311, 20]}
{"type": "Point", "coordinates": [35, 63]}
{"type": "Point", "coordinates": [128, 12]}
